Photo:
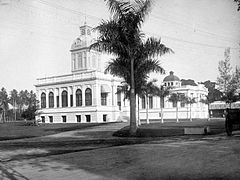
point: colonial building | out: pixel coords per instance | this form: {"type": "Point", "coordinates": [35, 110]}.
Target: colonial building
{"type": "Point", "coordinates": [84, 95]}
{"type": "Point", "coordinates": [87, 94]}
{"type": "Point", "coordinates": [197, 110]}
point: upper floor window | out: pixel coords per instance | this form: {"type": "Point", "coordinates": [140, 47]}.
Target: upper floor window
{"type": "Point", "coordinates": [51, 99]}
{"type": "Point", "coordinates": [88, 97]}
{"type": "Point", "coordinates": [64, 99]}
{"type": "Point", "coordinates": [74, 61]}
{"type": "Point", "coordinates": [83, 32]}
{"type": "Point", "coordinates": [103, 99]}
{"type": "Point", "coordinates": [80, 61]}
{"type": "Point", "coordinates": [79, 97]}
{"type": "Point", "coordinates": [43, 100]}
{"type": "Point", "coordinates": [88, 32]}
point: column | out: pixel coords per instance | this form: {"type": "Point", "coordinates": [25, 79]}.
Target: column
{"type": "Point", "coordinates": [69, 90]}
{"type": "Point", "coordinates": [114, 95]}
{"type": "Point", "coordinates": [55, 97]}
{"type": "Point", "coordinates": [83, 95]}
{"type": "Point", "coordinates": [98, 94]}
{"type": "Point", "coordinates": [47, 98]}
{"type": "Point", "coordinates": [74, 95]}
{"type": "Point", "coordinates": [60, 97]}
{"type": "Point", "coordinates": [38, 93]}
{"type": "Point", "coordinates": [95, 97]}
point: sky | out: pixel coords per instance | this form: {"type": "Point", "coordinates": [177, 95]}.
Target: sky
{"type": "Point", "coordinates": [36, 36]}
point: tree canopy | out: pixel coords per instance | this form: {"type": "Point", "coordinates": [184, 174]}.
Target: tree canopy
{"type": "Point", "coordinates": [134, 55]}
{"type": "Point", "coordinates": [228, 81]}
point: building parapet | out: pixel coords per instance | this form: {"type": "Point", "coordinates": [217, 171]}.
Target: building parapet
{"type": "Point", "coordinates": [74, 77]}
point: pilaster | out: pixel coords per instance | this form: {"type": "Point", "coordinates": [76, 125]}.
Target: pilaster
{"type": "Point", "coordinates": [60, 97]}
{"type": "Point", "coordinates": [83, 95]}
{"type": "Point", "coordinates": [74, 95]}
{"type": "Point", "coordinates": [56, 93]}
{"type": "Point", "coordinates": [47, 98]}
{"type": "Point", "coordinates": [69, 90]}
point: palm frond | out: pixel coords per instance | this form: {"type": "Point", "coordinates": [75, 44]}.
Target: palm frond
{"type": "Point", "coordinates": [154, 47]}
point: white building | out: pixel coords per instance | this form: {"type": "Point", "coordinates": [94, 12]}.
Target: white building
{"type": "Point", "coordinates": [198, 110]}
{"type": "Point", "coordinates": [89, 95]}
{"type": "Point", "coordinates": [85, 95]}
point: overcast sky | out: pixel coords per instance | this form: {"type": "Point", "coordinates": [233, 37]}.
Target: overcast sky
{"type": "Point", "coordinates": [36, 36]}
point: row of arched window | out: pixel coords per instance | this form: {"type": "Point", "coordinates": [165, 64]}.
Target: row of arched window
{"type": "Point", "coordinates": [64, 95]}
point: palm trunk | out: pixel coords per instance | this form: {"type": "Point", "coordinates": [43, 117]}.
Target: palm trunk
{"type": "Point", "coordinates": [139, 122]}
{"type": "Point", "coordinates": [147, 119]}
{"type": "Point", "coordinates": [4, 116]}
{"type": "Point", "coordinates": [162, 115]}
{"type": "Point", "coordinates": [133, 122]}
{"type": "Point", "coordinates": [177, 114]}
{"type": "Point", "coordinates": [161, 104]}
{"type": "Point", "coordinates": [190, 112]}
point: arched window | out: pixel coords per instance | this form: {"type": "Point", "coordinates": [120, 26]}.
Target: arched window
{"type": "Point", "coordinates": [51, 99]}
{"type": "Point", "coordinates": [88, 97]}
{"type": "Point", "coordinates": [79, 97]}
{"type": "Point", "coordinates": [43, 100]}
{"type": "Point", "coordinates": [64, 99]}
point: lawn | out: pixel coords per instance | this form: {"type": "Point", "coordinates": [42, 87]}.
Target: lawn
{"type": "Point", "coordinates": [158, 129]}
{"type": "Point", "coordinates": [19, 130]}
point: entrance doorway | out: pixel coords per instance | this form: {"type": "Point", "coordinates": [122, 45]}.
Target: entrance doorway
{"type": "Point", "coordinates": [88, 118]}
{"type": "Point", "coordinates": [105, 118]}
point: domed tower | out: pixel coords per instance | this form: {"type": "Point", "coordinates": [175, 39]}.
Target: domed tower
{"type": "Point", "coordinates": [171, 80]}
{"type": "Point", "coordinates": [83, 59]}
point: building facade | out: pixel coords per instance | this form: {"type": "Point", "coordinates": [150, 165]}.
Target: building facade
{"type": "Point", "coordinates": [197, 110]}
{"type": "Point", "coordinates": [87, 94]}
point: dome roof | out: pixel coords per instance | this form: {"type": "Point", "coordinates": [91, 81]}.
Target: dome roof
{"type": "Point", "coordinates": [171, 77]}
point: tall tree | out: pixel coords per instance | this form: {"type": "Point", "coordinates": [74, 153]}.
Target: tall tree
{"type": "Point", "coordinates": [149, 89]}
{"type": "Point", "coordinates": [190, 101]}
{"type": "Point", "coordinates": [164, 91]}
{"type": "Point", "coordinates": [3, 103]}
{"type": "Point", "coordinates": [122, 37]}
{"type": "Point", "coordinates": [227, 81]}
{"type": "Point", "coordinates": [213, 93]}
{"type": "Point", "coordinates": [14, 100]}
{"type": "Point", "coordinates": [23, 96]}
{"type": "Point", "coordinates": [175, 98]}
{"type": "Point", "coordinates": [238, 2]}
{"type": "Point", "coordinates": [224, 68]}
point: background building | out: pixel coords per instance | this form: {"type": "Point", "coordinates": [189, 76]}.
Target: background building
{"type": "Point", "coordinates": [197, 110]}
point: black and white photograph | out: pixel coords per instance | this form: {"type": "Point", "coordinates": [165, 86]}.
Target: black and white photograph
{"type": "Point", "coordinates": [119, 89]}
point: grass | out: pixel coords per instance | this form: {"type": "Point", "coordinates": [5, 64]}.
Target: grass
{"type": "Point", "coordinates": [19, 130]}
{"type": "Point", "coordinates": [173, 128]}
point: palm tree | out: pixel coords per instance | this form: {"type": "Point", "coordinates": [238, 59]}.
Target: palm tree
{"type": "Point", "coordinates": [164, 91]}
{"type": "Point", "coordinates": [121, 36]}
{"type": "Point", "coordinates": [190, 101]}
{"type": "Point", "coordinates": [14, 99]}
{"type": "Point", "coordinates": [149, 89]}
{"type": "Point", "coordinates": [175, 98]}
